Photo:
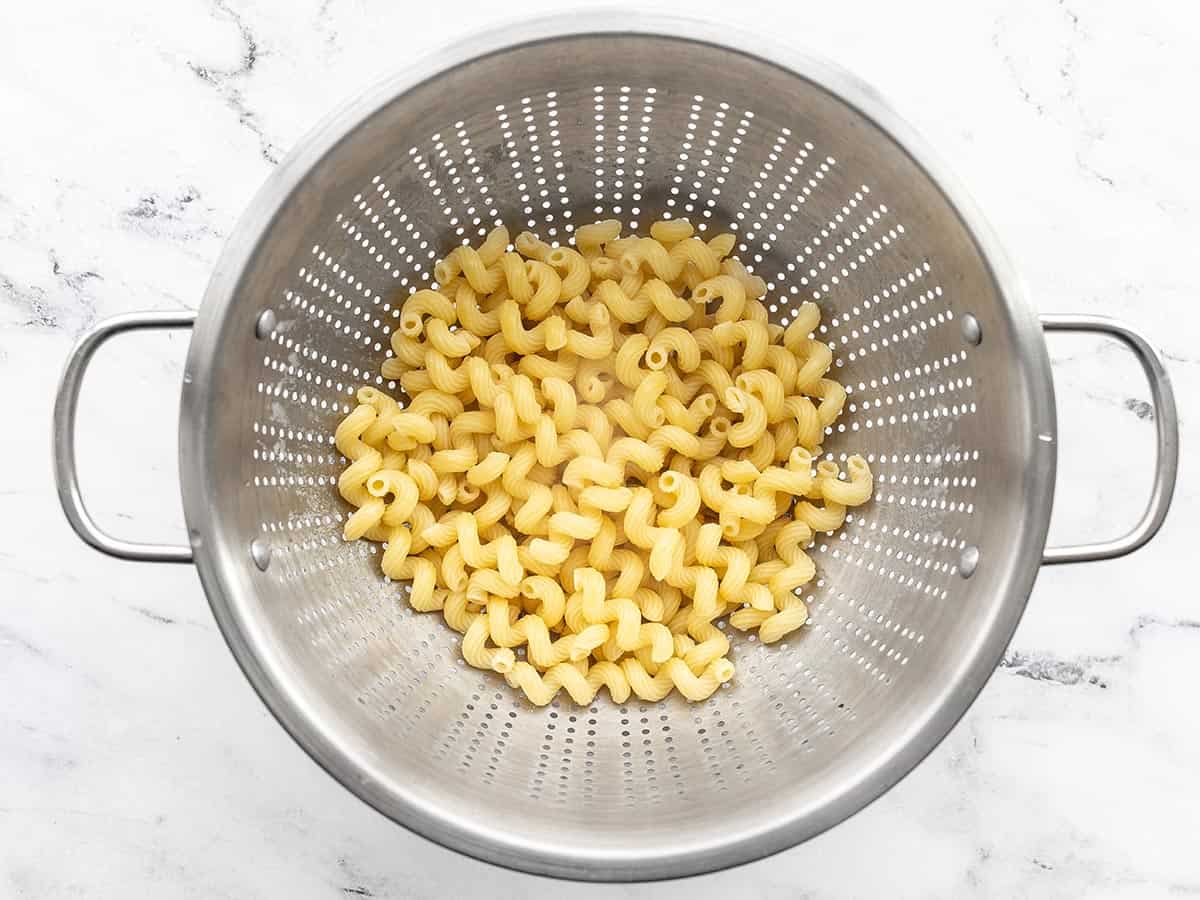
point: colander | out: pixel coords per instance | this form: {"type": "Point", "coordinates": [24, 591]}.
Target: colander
{"type": "Point", "coordinates": [548, 126]}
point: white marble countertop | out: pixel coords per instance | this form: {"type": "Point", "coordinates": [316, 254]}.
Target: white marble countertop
{"type": "Point", "coordinates": [134, 758]}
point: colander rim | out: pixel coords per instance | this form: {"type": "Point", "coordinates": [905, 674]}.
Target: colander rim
{"type": "Point", "coordinates": [222, 566]}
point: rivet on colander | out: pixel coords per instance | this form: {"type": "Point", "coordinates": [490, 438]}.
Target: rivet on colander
{"type": "Point", "coordinates": [265, 324]}
{"type": "Point", "coordinates": [971, 331]}
{"type": "Point", "coordinates": [968, 561]}
{"type": "Point", "coordinates": [260, 552]}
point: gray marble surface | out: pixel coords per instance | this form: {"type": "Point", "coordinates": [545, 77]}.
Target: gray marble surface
{"type": "Point", "coordinates": [135, 760]}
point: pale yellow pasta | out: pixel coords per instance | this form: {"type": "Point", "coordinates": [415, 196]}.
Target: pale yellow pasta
{"type": "Point", "coordinates": [532, 515]}
{"type": "Point", "coordinates": [827, 518]}
{"type": "Point", "coordinates": [492, 511]}
{"type": "Point", "coordinates": [833, 398]}
{"type": "Point", "coordinates": [693, 416]}
{"type": "Point", "coordinates": [671, 306]}
{"type": "Point", "coordinates": [409, 351]}
{"type": "Point", "coordinates": [472, 422]}
{"type": "Point", "coordinates": [477, 654]}
{"type": "Point", "coordinates": [580, 526]}
{"type": "Point", "coordinates": [593, 388]}
{"type": "Point", "coordinates": [423, 593]}
{"type": "Point", "coordinates": [454, 460]}
{"type": "Point", "coordinates": [516, 277]}
{"type": "Point", "coordinates": [585, 470]}
{"type": "Point", "coordinates": [798, 567]}
{"type": "Point", "coordinates": [454, 610]}
{"type": "Point", "coordinates": [496, 350]}
{"type": "Point", "coordinates": [714, 375]}
{"type": "Point", "coordinates": [604, 270]}
{"type": "Point", "coordinates": [553, 449]}
{"type": "Point", "coordinates": [508, 427]}
{"type": "Point", "coordinates": [518, 338]}
{"type": "Point", "coordinates": [484, 583]}
{"type": "Point", "coordinates": [627, 364]}
{"type": "Point", "coordinates": [712, 352]}
{"type": "Point", "coordinates": [814, 356]}
{"type": "Point", "coordinates": [563, 402]}
{"type": "Point", "coordinates": [809, 427]}
{"type": "Point", "coordinates": [762, 452]}
{"type": "Point", "coordinates": [754, 286]}
{"type": "Point", "coordinates": [454, 569]}
{"type": "Point", "coordinates": [450, 343]}
{"type": "Point", "coordinates": [552, 550]}
{"type": "Point", "coordinates": [564, 499]}
{"type": "Point", "coordinates": [753, 414]}
{"type": "Point", "coordinates": [624, 417]}
{"type": "Point", "coordinates": [671, 231]}
{"type": "Point", "coordinates": [547, 289]}
{"type": "Point", "coordinates": [365, 461]}
{"type": "Point", "coordinates": [531, 246]}
{"type": "Point", "coordinates": [651, 636]}
{"type": "Point", "coordinates": [415, 381]}
{"type": "Point", "coordinates": [431, 401]}
{"type": "Point", "coordinates": [627, 450]}
{"type": "Point", "coordinates": [752, 335]}
{"type": "Point", "coordinates": [573, 269]}
{"type": "Point", "coordinates": [590, 239]}
{"type": "Point", "coordinates": [599, 343]}
{"type": "Point", "coordinates": [386, 411]}
{"type": "Point", "coordinates": [696, 253]}
{"type": "Point", "coordinates": [722, 244]}
{"type": "Point", "coordinates": [685, 495]}
{"type": "Point", "coordinates": [566, 366]}
{"type": "Point", "coordinates": [525, 399]}
{"type": "Point", "coordinates": [581, 686]}
{"type": "Point", "coordinates": [726, 288]}
{"type": "Point", "coordinates": [607, 499]}
{"type": "Point", "coordinates": [557, 333]}
{"type": "Point", "coordinates": [649, 253]}
{"type": "Point", "coordinates": [608, 447]}
{"type": "Point", "coordinates": [645, 400]}
{"type": "Point", "coordinates": [784, 364]}
{"type": "Point", "coordinates": [674, 340]}
{"type": "Point", "coordinates": [421, 304]}
{"type": "Point", "coordinates": [739, 471]}
{"type": "Point", "coordinates": [403, 489]}
{"type": "Point", "coordinates": [712, 492]}
{"type": "Point", "coordinates": [475, 264]}
{"type": "Point", "coordinates": [672, 437]}
{"type": "Point", "coordinates": [364, 519]}
{"type": "Point", "coordinates": [756, 312]}
{"type": "Point", "coordinates": [768, 388]}
{"type": "Point", "coordinates": [471, 316]}
{"type": "Point", "coordinates": [674, 674]}
{"type": "Point", "coordinates": [630, 569]}
{"type": "Point", "coordinates": [662, 542]}
{"type": "Point", "coordinates": [447, 377]}
{"type": "Point", "coordinates": [627, 308]}
{"type": "Point", "coordinates": [855, 491]}
{"type": "Point", "coordinates": [710, 644]}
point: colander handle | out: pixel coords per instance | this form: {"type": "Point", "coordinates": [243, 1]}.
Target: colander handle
{"type": "Point", "coordinates": [65, 407]}
{"type": "Point", "coordinates": [1168, 440]}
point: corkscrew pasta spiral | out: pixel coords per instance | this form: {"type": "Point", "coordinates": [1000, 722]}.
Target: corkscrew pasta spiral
{"type": "Point", "coordinates": [602, 451]}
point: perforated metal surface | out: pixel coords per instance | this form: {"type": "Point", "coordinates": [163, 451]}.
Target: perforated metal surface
{"type": "Point", "coordinates": [829, 204]}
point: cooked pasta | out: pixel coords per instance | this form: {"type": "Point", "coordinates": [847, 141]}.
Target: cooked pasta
{"type": "Point", "coordinates": [605, 449]}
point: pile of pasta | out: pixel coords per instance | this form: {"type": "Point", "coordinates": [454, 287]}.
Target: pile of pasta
{"type": "Point", "coordinates": [603, 450]}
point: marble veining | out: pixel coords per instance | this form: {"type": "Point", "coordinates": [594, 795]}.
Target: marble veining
{"type": "Point", "coordinates": [134, 758]}
{"type": "Point", "coordinates": [226, 81]}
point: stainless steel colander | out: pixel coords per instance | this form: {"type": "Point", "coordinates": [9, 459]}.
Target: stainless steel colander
{"type": "Point", "coordinates": [549, 126]}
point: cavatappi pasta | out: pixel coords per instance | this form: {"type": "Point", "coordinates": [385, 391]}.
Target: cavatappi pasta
{"type": "Point", "coordinates": [603, 450]}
